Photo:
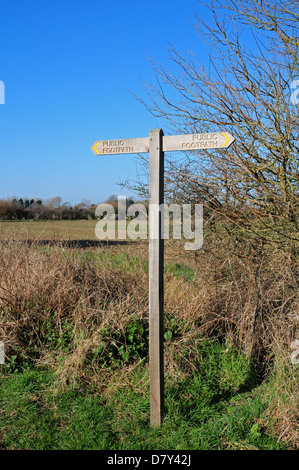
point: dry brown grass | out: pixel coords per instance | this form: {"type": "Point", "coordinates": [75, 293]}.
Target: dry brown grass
{"type": "Point", "coordinates": [250, 299]}
{"type": "Point", "coordinates": [42, 288]}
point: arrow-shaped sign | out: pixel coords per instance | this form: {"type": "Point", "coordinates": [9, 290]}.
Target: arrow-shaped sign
{"type": "Point", "coordinates": [118, 146]}
{"type": "Point", "coordinates": [211, 140]}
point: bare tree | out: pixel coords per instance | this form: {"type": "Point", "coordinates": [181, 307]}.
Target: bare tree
{"type": "Point", "coordinates": [54, 202]}
{"type": "Point", "coordinates": [247, 91]}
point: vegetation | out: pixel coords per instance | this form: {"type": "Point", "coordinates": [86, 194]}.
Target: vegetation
{"type": "Point", "coordinates": [52, 209]}
{"type": "Point", "coordinates": [75, 327]}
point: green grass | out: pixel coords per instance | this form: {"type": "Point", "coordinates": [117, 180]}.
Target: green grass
{"type": "Point", "coordinates": [130, 263]}
{"type": "Point", "coordinates": [121, 262]}
{"type": "Point", "coordinates": [219, 406]}
{"type": "Point", "coordinates": [180, 271]}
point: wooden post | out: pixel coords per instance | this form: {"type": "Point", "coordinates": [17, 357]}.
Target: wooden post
{"type": "Point", "coordinates": [156, 291]}
{"type": "Point", "coordinates": [156, 145]}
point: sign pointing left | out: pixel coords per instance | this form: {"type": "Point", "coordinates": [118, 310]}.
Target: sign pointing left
{"type": "Point", "coordinates": [108, 147]}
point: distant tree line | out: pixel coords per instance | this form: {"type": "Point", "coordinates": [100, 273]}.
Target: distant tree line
{"type": "Point", "coordinates": [51, 209]}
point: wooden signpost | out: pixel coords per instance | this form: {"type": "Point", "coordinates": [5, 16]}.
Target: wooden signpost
{"type": "Point", "coordinates": [156, 144]}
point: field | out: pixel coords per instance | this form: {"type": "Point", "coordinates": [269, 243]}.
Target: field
{"type": "Point", "coordinates": [48, 230]}
{"type": "Point", "coordinates": [81, 234]}
{"type": "Point", "coordinates": [74, 321]}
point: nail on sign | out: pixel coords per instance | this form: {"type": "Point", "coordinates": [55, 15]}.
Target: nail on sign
{"type": "Point", "coordinates": [212, 140]}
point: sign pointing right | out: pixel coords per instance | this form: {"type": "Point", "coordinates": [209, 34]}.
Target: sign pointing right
{"type": "Point", "coordinates": [211, 140]}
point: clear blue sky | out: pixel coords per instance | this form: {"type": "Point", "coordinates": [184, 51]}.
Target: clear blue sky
{"type": "Point", "coordinates": [68, 66]}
